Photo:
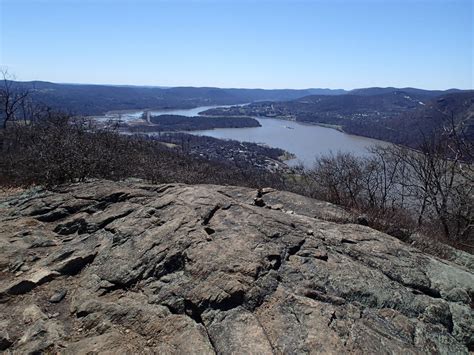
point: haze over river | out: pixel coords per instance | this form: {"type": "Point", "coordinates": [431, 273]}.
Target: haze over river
{"type": "Point", "coordinates": [305, 141]}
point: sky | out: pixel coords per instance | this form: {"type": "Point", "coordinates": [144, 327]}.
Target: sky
{"type": "Point", "coordinates": [241, 43]}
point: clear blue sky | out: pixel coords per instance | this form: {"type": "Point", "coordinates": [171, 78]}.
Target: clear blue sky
{"type": "Point", "coordinates": [241, 43]}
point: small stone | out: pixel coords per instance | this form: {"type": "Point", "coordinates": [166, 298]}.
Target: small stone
{"type": "Point", "coordinates": [310, 232]}
{"type": "Point", "coordinates": [166, 278]}
{"type": "Point", "coordinates": [58, 296]}
{"type": "Point", "coordinates": [259, 202]}
{"type": "Point", "coordinates": [267, 190]}
{"type": "Point", "coordinates": [24, 268]}
{"type": "Point", "coordinates": [106, 284]}
{"type": "Point", "coordinates": [277, 206]}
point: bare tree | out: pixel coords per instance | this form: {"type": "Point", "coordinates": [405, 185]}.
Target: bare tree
{"type": "Point", "coordinates": [12, 98]}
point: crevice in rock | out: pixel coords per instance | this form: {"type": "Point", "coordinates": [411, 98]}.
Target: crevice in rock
{"type": "Point", "coordinates": [22, 287]}
{"type": "Point", "coordinates": [75, 265]}
{"type": "Point", "coordinates": [416, 289]}
{"type": "Point", "coordinates": [161, 189]}
{"type": "Point", "coordinates": [420, 289]}
{"type": "Point", "coordinates": [450, 324]}
{"type": "Point", "coordinates": [82, 314]}
{"type": "Point", "coordinates": [208, 216]}
{"type": "Point", "coordinates": [224, 194]}
{"type": "Point", "coordinates": [209, 338]}
{"type": "Point", "coordinates": [63, 256]}
{"type": "Point", "coordinates": [25, 286]}
{"type": "Point", "coordinates": [193, 311]}
{"type": "Point", "coordinates": [275, 235]}
{"type": "Point", "coordinates": [324, 297]}
{"type": "Point", "coordinates": [53, 216]}
{"type": "Point", "coordinates": [170, 308]}
{"type": "Point", "coordinates": [174, 263]}
{"type": "Point", "coordinates": [275, 261]}
{"type": "Point", "coordinates": [106, 201]}
{"type": "Point", "coordinates": [347, 241]}
{"type": "Point", "coordinates": [209, 230]}
{"type": "Point", "coordinates": [226, 206]}
{"type": "Point", "coordinates": [295, 248]}
{"type": "Point", "coordinates": [71, 227]}
{"type": "Point", "coordinates": [235, 300]}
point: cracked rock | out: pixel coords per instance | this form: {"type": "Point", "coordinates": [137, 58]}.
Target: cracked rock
{"type": "Point", "coordinates": [180, 268]}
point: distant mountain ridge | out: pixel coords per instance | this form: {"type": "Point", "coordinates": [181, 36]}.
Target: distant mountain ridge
{"type": "Point", "coordinates": [91, 99]}
{"type": "Point", "coordinates": [414, 91]}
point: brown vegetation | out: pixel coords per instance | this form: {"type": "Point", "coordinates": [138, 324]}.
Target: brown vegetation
{"type": "Point", "coordinates": [59, 149]}
{"type": "Point", "coordinates": [401, 190]}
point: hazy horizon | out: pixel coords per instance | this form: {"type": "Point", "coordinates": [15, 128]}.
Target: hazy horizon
{"type": "Point", "coordinates": [278, 44]}
{"type": "Point", "coordinates": [238, 88]}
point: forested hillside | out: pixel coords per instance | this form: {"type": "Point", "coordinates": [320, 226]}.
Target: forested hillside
{"type": "Point", "coordinates": [99, 99]}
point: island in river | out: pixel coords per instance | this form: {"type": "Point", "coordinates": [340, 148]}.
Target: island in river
{"type": "Point", "coordinates": [184, 123]}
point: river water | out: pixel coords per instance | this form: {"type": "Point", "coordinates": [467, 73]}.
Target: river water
{"type": "Point", "coordinates": [305, 141]}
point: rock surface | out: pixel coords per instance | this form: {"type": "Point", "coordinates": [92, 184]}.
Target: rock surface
{"type": "Point", "coordinates": [136, 268]}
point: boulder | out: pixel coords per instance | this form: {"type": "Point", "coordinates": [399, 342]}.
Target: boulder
{"type": "Point", "coordinates": [208, 269]}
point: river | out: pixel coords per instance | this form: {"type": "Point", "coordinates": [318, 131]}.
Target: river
{"type": "Point", "coordinates": [305, 141]}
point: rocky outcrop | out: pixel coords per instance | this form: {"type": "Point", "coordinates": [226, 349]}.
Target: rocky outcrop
{"type": "Point", "coordinates": [134, 268]}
